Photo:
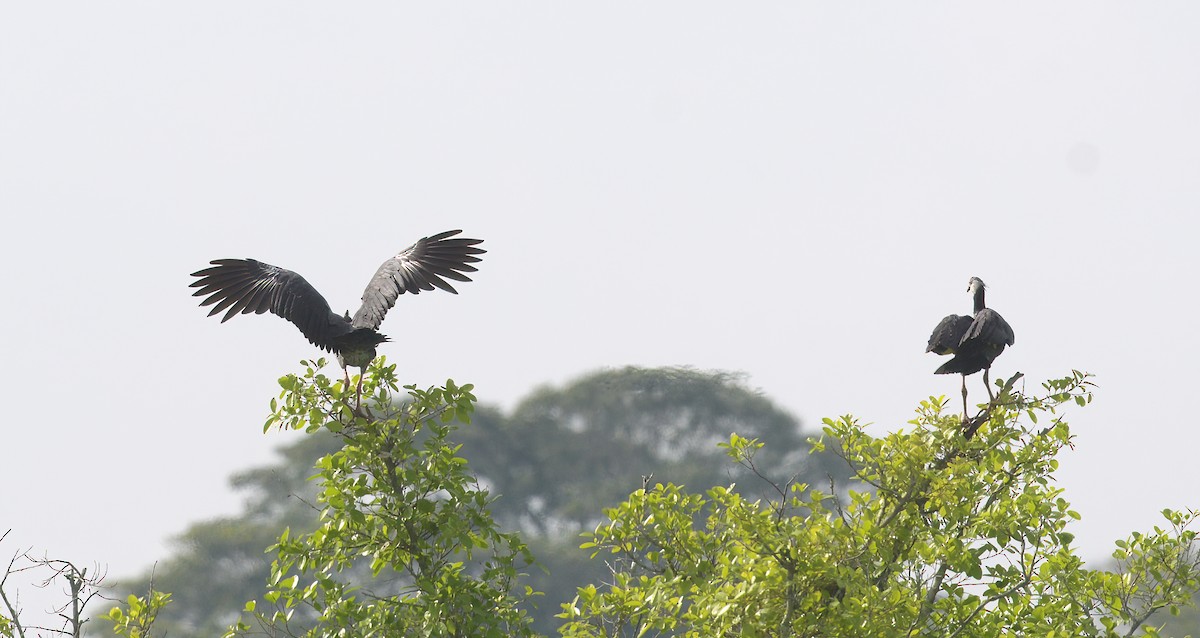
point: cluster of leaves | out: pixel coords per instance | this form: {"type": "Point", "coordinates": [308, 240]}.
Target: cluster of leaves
{"type": "Point", "coordinates": [956, 537]}
{"type": "Point", "coordinates": [405, 544]}
{"type": "Point", "coordinates": [137, 618]}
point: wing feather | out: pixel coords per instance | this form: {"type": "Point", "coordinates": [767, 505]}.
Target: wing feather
{"type": "Point", "coordinates": [948, 334]}
{"type": "Point", "coordinates": [244, 286]}
{"type": "Point", "coordinates": [989, 327]}
{"type": "Point", "coordinates": [424, 266]}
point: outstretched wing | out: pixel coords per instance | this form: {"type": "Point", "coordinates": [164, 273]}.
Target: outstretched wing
{"type": "Point", "coordinates": [246, 285]}
{"type": "Point", "coordinates": [425, 265]}
{"type": "Point", "coordinates": [948, 334]}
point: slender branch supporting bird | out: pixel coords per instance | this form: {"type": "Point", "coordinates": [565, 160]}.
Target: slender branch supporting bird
{"type": "Point", "coordinates": [970, 426]}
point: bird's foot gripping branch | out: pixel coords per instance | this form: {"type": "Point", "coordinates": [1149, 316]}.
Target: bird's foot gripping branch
{"type": "Point", "coordinates": [312, 401]}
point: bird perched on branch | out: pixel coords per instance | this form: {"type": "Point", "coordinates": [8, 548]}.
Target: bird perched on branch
{"type": "Point", "coordinates": [975, 341]}
{"type": "Point", "coordinates": [247, 285]}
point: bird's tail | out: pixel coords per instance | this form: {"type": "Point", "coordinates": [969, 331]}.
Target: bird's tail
{"type": "Point", "coordinates": [364, 337]}
{"type": "Point", "coordinates": [956, 366]}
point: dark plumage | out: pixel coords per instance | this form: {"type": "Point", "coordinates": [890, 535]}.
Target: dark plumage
{"type": "Point", "coordinates": [243, 286]}
{"type": "Point", "coordinates": [975, 341]}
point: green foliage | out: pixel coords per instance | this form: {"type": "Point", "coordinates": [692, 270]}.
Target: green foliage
{"type": "Point", "coordinates": [138, 615]}
{"type": "Point", "coordinates": [1153, 572]}
{"type": "Point", "coordinates": [405, 544]}
{"type": "Point", "coordinates": [955, 537]}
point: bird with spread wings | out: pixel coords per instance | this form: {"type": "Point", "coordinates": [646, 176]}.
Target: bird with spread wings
{"type": "Point", "coordinates": [244, 286]}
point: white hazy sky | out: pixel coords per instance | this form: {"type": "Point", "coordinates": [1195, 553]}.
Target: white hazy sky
{"type": "Point", "coordinates": [799, 191]}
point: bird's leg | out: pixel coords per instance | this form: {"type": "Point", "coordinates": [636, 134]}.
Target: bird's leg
{"type": "Point", "coordinates": [988, 384]}
{"type": "Point", "coordinates": [357, 392]}
{"type": "Point", "coordinates": [964, 393]}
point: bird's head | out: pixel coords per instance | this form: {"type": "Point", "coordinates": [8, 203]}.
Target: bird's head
{"type": "Point", "coordinates": [975, 284]}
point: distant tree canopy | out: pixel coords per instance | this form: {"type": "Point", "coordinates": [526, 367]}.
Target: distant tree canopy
{"type": "Point", "coordinates": [566, 453]}
{"type": "Point", "coordinates": [552, 465]}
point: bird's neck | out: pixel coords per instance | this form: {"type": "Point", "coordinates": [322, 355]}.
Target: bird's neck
{"type": "Point", "coordinates": [979, 300]}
